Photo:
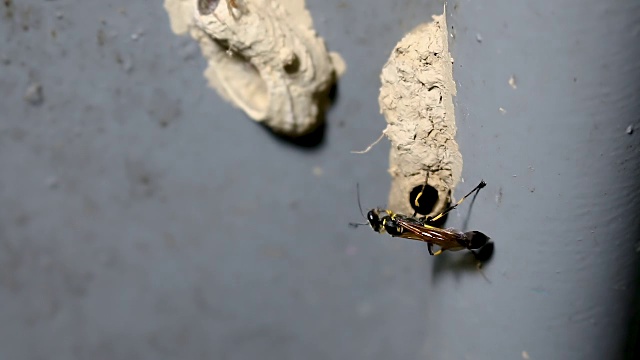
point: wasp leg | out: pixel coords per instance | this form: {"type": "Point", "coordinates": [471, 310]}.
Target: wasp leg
{"type": "Point", "coordinates": [422, 219]}
{"type": "Point", "coordinates": [415, 201]}
{"type": "Point", "coordinates": [425, 220]}
{"type": "Point", "coordinates": [430, 248]}
{"type": "Point", "coordinates": [475, 189]}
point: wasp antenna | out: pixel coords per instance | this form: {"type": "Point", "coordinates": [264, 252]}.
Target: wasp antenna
{"type": "Point", "coordinates": [358, 196]}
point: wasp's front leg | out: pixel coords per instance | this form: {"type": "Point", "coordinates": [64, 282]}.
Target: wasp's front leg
{"type": "Point", "coordinates": [425, 220]}
{"type": "Point", "coordinates": [430, 248]}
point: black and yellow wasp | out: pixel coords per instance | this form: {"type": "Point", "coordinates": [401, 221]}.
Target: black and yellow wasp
{"type": "Point", "coordinates": [423, 229]}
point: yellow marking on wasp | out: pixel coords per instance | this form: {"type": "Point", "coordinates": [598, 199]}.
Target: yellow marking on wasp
{"type": "Point", "coordinates": [437, 252]}
{"type": "Point", "coordinates": [431, 227]}
{"type": "Point", "coordinates": [426, 181]}
{"type": "Point", "coordinates": [415, 202]}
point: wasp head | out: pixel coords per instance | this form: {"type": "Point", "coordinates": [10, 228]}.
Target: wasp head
{"type": "Point", "coordinates": [374, 220]}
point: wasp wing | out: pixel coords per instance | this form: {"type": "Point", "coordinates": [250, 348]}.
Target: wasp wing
{"type": "Point", "coordinates": [445, 239]}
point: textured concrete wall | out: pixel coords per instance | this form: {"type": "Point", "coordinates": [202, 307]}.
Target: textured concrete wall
{"type": "Point", "coordinates": [563, 173]}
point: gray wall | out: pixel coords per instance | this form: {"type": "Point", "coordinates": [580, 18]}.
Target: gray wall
{"type": "Point", "coordinates": [562, 205]}
{"type": "Point", "coordinates": [143, 217]}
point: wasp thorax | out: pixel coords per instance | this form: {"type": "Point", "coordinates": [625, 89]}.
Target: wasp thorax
{"type": "Point", "coordinates": [391, 226]}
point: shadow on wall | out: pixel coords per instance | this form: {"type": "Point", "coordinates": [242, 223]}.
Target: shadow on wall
{"type": "Point", "coordinates": [315, 139]}
{"type": "Point", "coordinates": [471, 261]}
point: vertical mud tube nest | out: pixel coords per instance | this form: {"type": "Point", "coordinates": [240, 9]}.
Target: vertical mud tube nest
{"type": "Point", "coordinates": [416, 100]}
